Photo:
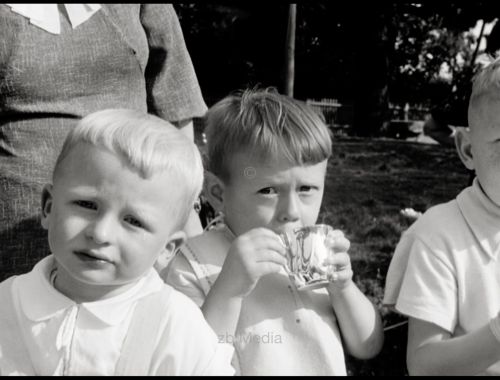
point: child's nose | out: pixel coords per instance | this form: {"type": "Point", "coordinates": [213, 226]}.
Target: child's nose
{"type": "Point", "coordinates": [100, 230]}
{"type": "Point", "coordinates": [290, 209]}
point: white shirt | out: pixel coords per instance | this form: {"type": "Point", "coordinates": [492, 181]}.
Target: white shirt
{"type": "Point", "coordinates": [446, 268]}
{"type": "Point", "coordinates": [281, 331]}
{"type": "Point", "coordinates": [47, 17]}
{"type": "Point", "coordinates": [66, 338]}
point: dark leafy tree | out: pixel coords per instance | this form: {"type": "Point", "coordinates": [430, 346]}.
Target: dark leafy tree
{"type": "Point", "coordinates": [365, 54]}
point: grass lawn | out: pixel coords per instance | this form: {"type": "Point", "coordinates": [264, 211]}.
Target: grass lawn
{"type": "Point", "coordinates": [368, 182]}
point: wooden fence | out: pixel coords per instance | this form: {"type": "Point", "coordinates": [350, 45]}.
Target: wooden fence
{"type": "Point", "coordinates": [338, 116]}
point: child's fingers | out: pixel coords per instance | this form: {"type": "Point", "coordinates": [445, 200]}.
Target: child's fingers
{"type": "Point", "coordinates": [261, 238]}
{"type": "Point", "coordinates": [335, 234]}
{"type": "Point", "coordinates": [339, 260]}
{"type": "Point", "coordinates": [271, 243]}
{"type": "Point", "coordinates": [337, 241]}
{"type": "Point", "coordinates": [270, 256]}
{"type": "Point", "coordinates": [268, 267]}
{"type": "Point", "coordinates": [263, 232]}
{"type": "Point", "coordinates": [341, 245]}
{"type": "Point", "coordinates": [340, 275]}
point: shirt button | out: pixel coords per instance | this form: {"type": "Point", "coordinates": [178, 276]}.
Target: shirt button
{"type": "Point", "coordinates": [297, 320]}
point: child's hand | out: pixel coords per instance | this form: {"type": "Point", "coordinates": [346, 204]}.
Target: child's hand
{"type": "Point", "coordinates": [252, 255]}
{"type": "Point", "coordinates": [339, 270]}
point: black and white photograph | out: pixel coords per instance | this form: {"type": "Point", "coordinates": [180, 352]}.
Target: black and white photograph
{"type": "Point", "coordinates": [250, 188]}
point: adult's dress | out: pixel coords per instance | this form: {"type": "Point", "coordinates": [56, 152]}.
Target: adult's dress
{"type": "Point", "coordinates": [123, 56]}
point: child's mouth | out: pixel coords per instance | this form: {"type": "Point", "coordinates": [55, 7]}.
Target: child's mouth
{"type": "Point", "coordinates": [89, 256]}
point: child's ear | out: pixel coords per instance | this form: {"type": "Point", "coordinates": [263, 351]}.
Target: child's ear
{"type": "Point", "coordinates": [464, 147]}
{"type": "Point", "coordinates": [214, 191]}
{"type": "Point", "coordinates": [175, 241]}
{"type": "Point", "coordinates": [46, 205]}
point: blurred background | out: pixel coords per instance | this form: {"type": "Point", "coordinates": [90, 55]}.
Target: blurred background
{"type": "Point", "coordinates": [373, 61]}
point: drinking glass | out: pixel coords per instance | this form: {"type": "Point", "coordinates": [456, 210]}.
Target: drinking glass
{"type": "Point", "coordinates": [306, 253]}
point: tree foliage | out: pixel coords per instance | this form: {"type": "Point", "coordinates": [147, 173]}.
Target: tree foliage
{"type": "Point", "coordinates": [235, 46]}
{"type": "Point", "coordinates": [365, 54]}
{"type": "Point", "coordinates": [433, 58]}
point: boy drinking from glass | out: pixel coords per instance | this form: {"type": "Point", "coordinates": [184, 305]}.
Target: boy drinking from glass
{"type": "Point", "coordinates": [267, 157]}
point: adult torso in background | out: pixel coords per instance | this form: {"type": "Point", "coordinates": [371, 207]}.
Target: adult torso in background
{"type": "Point", "coordinates": [47, 82]}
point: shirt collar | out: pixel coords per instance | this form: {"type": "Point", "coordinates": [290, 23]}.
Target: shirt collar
{"type": "Point", "coordinates": [482, 217]}
{"type": "Point", "coordinates": [46, 16]}
{"type": "Point", "coordinates": [219, 224]}
{"type": "Point", "coordinates": [228, 232]}
{"type": "Point", "coordinates": [39, 300]}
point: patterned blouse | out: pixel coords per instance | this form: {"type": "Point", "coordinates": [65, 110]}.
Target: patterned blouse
{"type": "Point", "coordinates": [124, 56]}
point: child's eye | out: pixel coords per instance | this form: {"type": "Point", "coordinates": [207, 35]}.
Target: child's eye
{"type": "Point", "coordinates": [86, 204]}
{"type": "Point", "coordinates": [267, 190]}
{"type": "Point", "coordinates": [133, 221]}
{"type": "Point", "coordinates": [306, 189]}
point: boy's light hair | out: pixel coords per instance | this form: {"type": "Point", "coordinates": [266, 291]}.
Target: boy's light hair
{"type": "Point", "coordinates": [148, 145]}
{"type": "Point", "coordinates": [266, 124]}
{"type": "Point", "coordinates": [486, 84]}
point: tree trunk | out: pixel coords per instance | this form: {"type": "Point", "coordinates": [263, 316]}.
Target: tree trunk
{"type": "Point", "coordinates": [290, 50]}
{"type": "Point", "coordinates": [476, 50]}
{"type": "Point", "coordinates": [370, 38]}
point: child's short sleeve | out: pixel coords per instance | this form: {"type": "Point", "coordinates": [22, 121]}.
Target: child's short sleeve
{"type": "Point", "coordinates": [396, 271]}
{"type": "Point", "coordinates": [180, 275]}
{"type": "Point", "coordinates": [429, 286]}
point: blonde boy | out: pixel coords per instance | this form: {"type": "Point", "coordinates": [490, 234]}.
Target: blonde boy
{"type": "Point", "coordinates": [445, 272]}
{"type": "Point", "coordinates": [267, 154]}
{"type": "Point", "coordinates": [123, 187]}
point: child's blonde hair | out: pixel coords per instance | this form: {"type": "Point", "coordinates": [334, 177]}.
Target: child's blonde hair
{"type": "Point", "coordinates": [266, 124]}
{"type": "Point", "coordinates": [148, 145]}
{"type": "Point", "coordinates": [486, 84]}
